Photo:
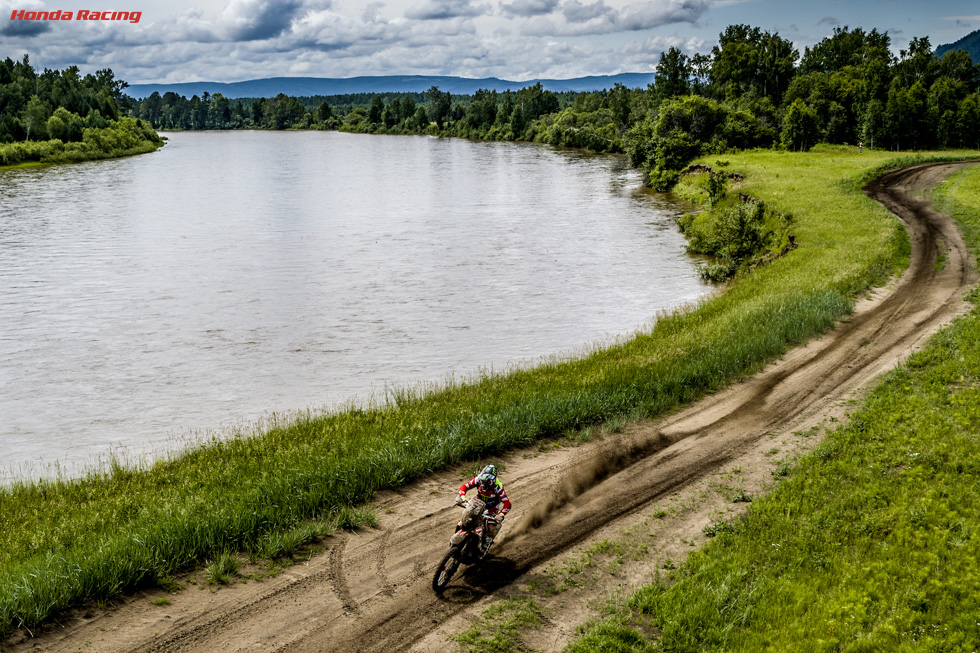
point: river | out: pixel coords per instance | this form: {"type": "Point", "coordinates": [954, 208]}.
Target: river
{"type": "Point", "coordinates": [153, 302]}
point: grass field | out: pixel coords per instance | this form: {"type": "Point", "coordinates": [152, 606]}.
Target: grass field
{"type": "Point", "coordinates": [871, 543]}
{"type": "Point", "coordinates": [69, 541]}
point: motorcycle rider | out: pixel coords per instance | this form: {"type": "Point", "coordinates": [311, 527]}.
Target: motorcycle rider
{"type": "Point", "coordinates": [490, 491]}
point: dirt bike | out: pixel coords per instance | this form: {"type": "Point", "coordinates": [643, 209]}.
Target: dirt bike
{"type": "Point", "coordinates": [468, 545]}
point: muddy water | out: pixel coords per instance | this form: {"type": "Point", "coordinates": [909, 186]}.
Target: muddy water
{"type": "Point", "coordinates": [150, 302]}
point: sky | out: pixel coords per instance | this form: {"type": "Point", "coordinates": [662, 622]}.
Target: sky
{"type": "Point", "coordinates": [235, 40]}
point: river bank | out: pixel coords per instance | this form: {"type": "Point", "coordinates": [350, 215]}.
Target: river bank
{"type": "Point", "coordinates": [123, 137]}
{"type": "Point", "coordinates": [68, 542]}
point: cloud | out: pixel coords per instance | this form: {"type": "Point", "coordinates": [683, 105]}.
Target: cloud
{"type": "Point", "coordinates": [442, 9]}
{"type": "Point", "coordinates": [192, 26]}
{"type": "Point", "coordinates": [256, 20]}
{"type": "Point", "coordinates": [330, 31]}
{"type": "Point", "coordinates": [576, 12]}
{"type": "Point", "coordinates": [578, 19]}
{"type": "Point", "coordinates": [246, 20]}
{"type": "Point", "coordinates": [326, 44]}
{"type": "Point", "coordinates": [372, 12]}
{"type": "Point", "coordinates": [657, 44]}
{"type": "Point", "coordinates": [648, 15]}
{"type": "Point", "coordinates": [527, 8]}
{"type": "Point", "coordinates": [61, 44]}
{"type": "Point", "coordinates": [634, 56]}
{"type": "Point", "coordinates": [963, 21]}
{"type": "Point", "coordinates": [26, 28]}
{"type": "Point", "coordinates": [828, 20]}
{"type": "Point", "coordinates": [248, 39]}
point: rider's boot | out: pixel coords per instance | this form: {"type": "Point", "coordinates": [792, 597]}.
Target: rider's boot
{"type": "Point", "coordinates": [485, 542]}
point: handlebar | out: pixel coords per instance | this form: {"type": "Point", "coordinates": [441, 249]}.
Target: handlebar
{"type": "Point", "coordinates": [486, 514]}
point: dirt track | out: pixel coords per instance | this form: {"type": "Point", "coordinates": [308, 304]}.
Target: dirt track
{"type": "Point", "coordinates": [371, 591]}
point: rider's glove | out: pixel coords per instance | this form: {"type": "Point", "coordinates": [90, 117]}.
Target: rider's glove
{"type": "Point", "coordinates": [459, 499]}
{"type": "Point", "coordinates": [499, 518]}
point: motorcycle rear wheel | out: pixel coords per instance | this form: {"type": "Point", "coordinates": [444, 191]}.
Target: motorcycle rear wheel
{"type": "Point", "coordinates": [446, 569]}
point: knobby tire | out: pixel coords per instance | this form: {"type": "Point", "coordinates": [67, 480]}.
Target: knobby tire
{"type": "Point", "coordinates": [446, 569]}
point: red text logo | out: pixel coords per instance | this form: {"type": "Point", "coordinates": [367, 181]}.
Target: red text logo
{"type": "Point", "coordinates": [131, 16]}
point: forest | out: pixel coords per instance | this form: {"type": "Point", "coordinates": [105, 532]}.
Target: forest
{"type": "Point", "coordinates": [754, 89]}
{"type": "Point", "coordinates": [61, 116]}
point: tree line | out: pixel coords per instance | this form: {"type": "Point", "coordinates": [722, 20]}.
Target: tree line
{"type": "Point", "coordinates": [57, 104]}
{"type": "Point", "coordinates": [753, 89]}
{"type": "Point", "coordinates": [170, 111]}
{"type": "Point", "coordinates": [400, 112]}
{"type": "Point", "coordinates": [60, 115]}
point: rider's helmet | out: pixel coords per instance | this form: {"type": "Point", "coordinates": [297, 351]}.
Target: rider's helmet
{"type": "Point", "coordinates": [487, 478]}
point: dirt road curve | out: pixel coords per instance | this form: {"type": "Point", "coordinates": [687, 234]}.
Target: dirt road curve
{"type": "Point", "coordinates": [371, 591]}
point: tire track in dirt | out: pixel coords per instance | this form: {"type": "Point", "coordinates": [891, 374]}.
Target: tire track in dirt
{"type": "Point", "coordinates": [366, 594]}
{"type": "Point", "coordinates": [388, 587]}
{"type": "Point", "coordinates": [339, 580]}
{"type": "Point", "coordinates": [205, 626]}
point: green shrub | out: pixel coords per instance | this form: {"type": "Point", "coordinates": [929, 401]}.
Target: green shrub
{"type": "Point", "coordinates": [124, 137]}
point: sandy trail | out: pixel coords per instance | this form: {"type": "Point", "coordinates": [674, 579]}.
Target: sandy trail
{"type": "Point", "coordinates": [371, 590]}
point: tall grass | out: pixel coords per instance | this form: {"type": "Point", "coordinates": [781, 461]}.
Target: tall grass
{"type": "Point", "coordinates": [871, 543]}
{"type": "Point", "coordinates": [63, 542]}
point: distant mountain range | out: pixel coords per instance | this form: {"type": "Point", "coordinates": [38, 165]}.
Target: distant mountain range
{"type": "Point", "coordinates": [306, 86]}
{"type": "Point", "coordinates": [970, 43]}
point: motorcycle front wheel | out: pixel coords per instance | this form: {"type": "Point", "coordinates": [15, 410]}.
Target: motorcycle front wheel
{"type": "Point", "coordinates": [446, 569]}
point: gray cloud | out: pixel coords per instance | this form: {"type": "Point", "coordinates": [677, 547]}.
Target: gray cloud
{"type": "Point", "coordinates": [25, 28]}
{"type": "Point", "coordinates": [578, 19]}
{"type": "Point", "coordinates": [527, 8]}
{"type": "Point", "coordinates": [256, 20]}
{"type": "Point", "coordinates": [247, 39]}
{"type": "Point", "coordinates": [576, 12]}
{"type": "Point", "coordinates": [964, 21]}
{"type": "Point", "coordinates": [442, 9]}
{"type": "Point", "coordinates": [828, 20]}
{"type": "Point", "coordinates": [648, 15]}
